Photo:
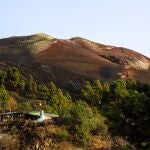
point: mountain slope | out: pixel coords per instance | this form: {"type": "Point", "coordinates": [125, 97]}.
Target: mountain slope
{"type": "Point", "coordinates": [70, 62]}
{"type": "Point", "coordinates": [119, 55]}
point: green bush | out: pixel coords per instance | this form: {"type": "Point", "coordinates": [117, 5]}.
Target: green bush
{"type": "Point", "coordinates": [13, 130]}
{"type": "Point", "coordinates": [26, 106]}
{"type": "Point", "coordinates": [85, 121]}
{"type": "Point", "coordinates": [62, 134]}
{"type": "Point", "coordinates": [127, 147]}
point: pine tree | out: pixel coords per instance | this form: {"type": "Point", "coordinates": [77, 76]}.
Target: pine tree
{"type": "Point", "coordinates": [11, 104]}
{"type": "Point", "coordinates": [31, 88]}
{"type": "Point", "coordinates": [3, 77]}
{"type": "Point", "coordinates": [21, 85]}
{"type": "Point", "coordinates": [97, 86]}
{"type": "Point", "coordinates": [3, 97]}
{"type": "Point", "coordinates": [43, 92]}
{"type": "Point", "coordinates": [91, 94]}
{"type": "Point", "coordinates": [52, 87]}
{"type": "Point", "coordinates": [13, 77]}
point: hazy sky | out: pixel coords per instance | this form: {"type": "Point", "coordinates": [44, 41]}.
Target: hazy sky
{"type": "Point", "coordinates": [116, 22]}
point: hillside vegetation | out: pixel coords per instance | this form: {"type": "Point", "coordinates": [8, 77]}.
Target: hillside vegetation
{"type": "Point", "coordinates": [121, 108]}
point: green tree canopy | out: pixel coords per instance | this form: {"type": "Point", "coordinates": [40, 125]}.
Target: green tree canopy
{"type": "Point", "coordinates": [3, 97]}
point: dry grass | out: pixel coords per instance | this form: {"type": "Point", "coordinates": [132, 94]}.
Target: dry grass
{"type": "Point", "coordinates": [9, 142]}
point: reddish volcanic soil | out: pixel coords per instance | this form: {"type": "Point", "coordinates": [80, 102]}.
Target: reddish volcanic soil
{"type": "Point", "coordinates": [76, 59]}
{"type": "Point", "coordinates": [71, 62]}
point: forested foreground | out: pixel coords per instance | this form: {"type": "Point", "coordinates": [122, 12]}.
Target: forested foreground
{"type": "Point", "coordinates": [121, 108]}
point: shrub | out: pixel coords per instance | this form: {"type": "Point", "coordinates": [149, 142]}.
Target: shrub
{"type": "Point", "coordinates": [26, 106]}
{"type": "Point", "coordinates": [127, 147]}
{"type": "Point", "coordinates": [13, 130]}
{"type": "Point", "coordinates": [11, 104]}
{"type": "Point", "coordinates": [85, 121]}
{"type": "Point", "coordinates": [62, 134]}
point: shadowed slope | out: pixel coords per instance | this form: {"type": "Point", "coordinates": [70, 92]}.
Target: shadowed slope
{"type": "Point", "coordinates": [119, 55]}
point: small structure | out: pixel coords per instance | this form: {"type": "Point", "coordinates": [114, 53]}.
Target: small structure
{"type": "Point", "coordinates": [7, 118]}
{"type": "Point", "coordinates": [40, 116]}
{"type": "Point", "coordinates": [11, 116]}
{"type": "Point", "coordinates": [36, 116]}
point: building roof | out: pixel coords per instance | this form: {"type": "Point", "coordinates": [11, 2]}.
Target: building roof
{"type": "Point", "coordinates": [37, 113]}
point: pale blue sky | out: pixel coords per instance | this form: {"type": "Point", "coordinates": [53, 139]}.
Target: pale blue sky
{"type": "Point", "coordinates": [116, 22]}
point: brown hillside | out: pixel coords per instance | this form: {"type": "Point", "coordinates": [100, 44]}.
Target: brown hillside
{"type": "Point", "coordinates": [119, 55]}
{"type": "Point", "coordinates": [70, 62]}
